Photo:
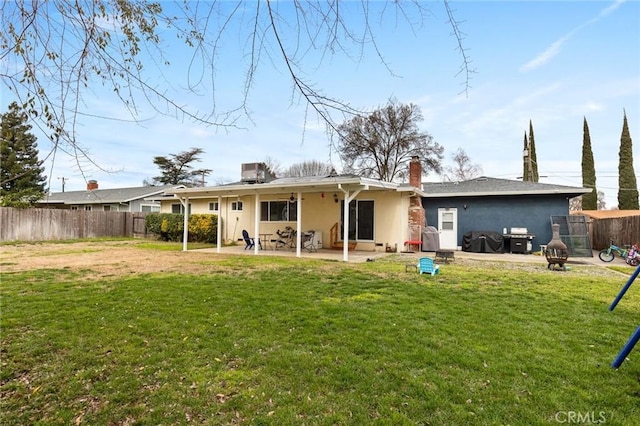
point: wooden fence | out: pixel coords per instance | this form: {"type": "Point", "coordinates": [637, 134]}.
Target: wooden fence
{"type": "Point", "coordinates": [622, 230]}
{"type": "Point", "coordinates": [58, 224]}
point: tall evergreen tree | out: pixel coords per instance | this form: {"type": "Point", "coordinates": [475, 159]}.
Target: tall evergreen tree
{"type": "Point", "coordinates": [532, 155]}
{"type": "Point", "coordinates": [590, 200]}
{"type": "Point", "coordinates": [21, 179]}
{"type": "Point", "coordinates": [525, 160]}
{"type": "Point", "coordinates": [627, 185]}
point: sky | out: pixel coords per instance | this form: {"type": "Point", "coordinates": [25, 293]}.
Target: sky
{"type": "Point", "coordinates": [553, 63]}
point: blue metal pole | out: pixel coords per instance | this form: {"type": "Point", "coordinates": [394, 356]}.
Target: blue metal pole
{"type": "Point", "coordinates": [626, 349]}
{"type": "Point", "coordinates": [625, 288]}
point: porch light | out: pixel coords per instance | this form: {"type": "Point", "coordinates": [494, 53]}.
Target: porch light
{"type": "Point", "coordinates": [335, 197]}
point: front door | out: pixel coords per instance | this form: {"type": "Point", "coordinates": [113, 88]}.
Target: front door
{"type": "Point", "coordinates": [448, 228]}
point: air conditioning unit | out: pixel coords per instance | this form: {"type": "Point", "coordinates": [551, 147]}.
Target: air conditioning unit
{"type": "Point", "coordinates": [254, 172]}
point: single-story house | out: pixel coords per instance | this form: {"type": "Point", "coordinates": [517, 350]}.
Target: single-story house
{"type": "Point", "coordinates": [382, 216]}
{"type": "Point", "coordinates": [137, 199]}
{"type": "Point", "coordinates": [498, 205]}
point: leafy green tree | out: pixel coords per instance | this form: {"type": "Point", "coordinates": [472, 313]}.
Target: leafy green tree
{"type": "Point", "coordinates": [382, 144]}
{"type": "Point", "coordinates": [590, 200]}
{"type": "Point", "coordinates": [21, 180]}
{"type": "Point", "coordinates": [177, 169]}
{"type": "Point", "coordinates": [627, 185]}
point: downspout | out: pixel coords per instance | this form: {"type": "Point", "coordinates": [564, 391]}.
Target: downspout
{"type": "Point", "coordinates": [185, 230]}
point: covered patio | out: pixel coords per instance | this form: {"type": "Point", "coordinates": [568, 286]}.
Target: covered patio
{"type": "Point", "coordinates": [319, 202]}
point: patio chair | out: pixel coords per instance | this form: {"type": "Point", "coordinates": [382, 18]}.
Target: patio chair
{"type": "Point", "coordinates": [250, 242]}
{"type": "Point", "coordinates": [427, 266]}
{"type": "Point", "coordinates": [308, 241]}
{"type": "Point", "coordinates": [286, 238]}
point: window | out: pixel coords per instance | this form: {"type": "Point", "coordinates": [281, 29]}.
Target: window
{"type": "Point", "coordinates": [236, 206]}
{"type": "Point", "coordinates": [278, 211]}
{"type": "Point", "coordinates": [361, 219]}
{"type": "Point", "coordinates": [177, 208]}
{"type": "Point", "coordinates": [150, 208]}
{"type": "Point", "coordinates": [106, 208]}
{"type": "Point", "coordinates": [87, 208]}
{"type": "Point", "coordinates": [214, 207]}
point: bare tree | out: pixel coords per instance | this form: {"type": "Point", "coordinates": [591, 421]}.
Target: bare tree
{"type": "Point", "coordinates": [382, 144]}
{"type": "Point", "coordinates": [309, 168]}
{"type": "Point", "coordinates": [462, 167]}
{"type": "Point", "coordinates": [52, 54]}
{"type": "Point", "coordinates": [274, 166]}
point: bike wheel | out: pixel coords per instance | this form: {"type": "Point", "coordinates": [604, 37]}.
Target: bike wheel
{"type": "Point", "coordinates": [606, 256]}
{"type": "Point", "coordinates": [633, 261]}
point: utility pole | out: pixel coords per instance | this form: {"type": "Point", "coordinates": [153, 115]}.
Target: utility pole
{"type": "Point", "coordinates": [63, 179]}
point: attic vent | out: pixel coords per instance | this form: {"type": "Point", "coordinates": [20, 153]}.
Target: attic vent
{"type": "Point", "coordinates": [482, 179]}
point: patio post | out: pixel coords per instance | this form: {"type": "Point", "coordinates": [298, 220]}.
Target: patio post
{"type": "Point", "coordinates": [219, 232]}
{"type": "Point", "coordinates": [185, 225]}
{"type": "Point", "coordinates": [256, 225]}
{"type": "Point", "coordinates": [299, 225]}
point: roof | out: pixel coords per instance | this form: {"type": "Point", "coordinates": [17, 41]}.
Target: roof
{"type": "Point", "coordinates": [304, 184]}
{"type": "Point", "coordinates": [607, 214]}
{"type": "Point", "coordinates": [486, 186]}
{"type": "Point", "coordinates": [105, 196]}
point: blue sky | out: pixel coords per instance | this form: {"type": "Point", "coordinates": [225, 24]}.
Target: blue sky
{"type": "Point", "coordinates": [546, 61]}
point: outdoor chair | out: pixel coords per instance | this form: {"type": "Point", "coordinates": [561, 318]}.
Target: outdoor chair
{"type": "Point", "coordinates": [249, 241]}
{"type": "Point", "coordinates": [286, 238]}
{"type": "Point", "coordinates": [426, 265]}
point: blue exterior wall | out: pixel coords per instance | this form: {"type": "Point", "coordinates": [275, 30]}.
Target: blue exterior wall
{"type": "Point", "coordinates": [493, 213]}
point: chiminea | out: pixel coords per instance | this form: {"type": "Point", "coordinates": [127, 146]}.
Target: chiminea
{"type": "Point", "coordinates": [556, 252]}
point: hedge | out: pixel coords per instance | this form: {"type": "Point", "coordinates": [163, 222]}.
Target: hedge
{"type": "Point", "coordinates": [203, 228]}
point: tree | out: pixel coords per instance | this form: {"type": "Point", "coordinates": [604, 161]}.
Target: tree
{"type": "Point", "coordinates": [462, 168]}
{"type": "Point", "coordinates": [526, 170]}
{"type": "Point", "coordinates": [177, 170]}
{"type": "Point", "coordinates": [54, 53]}
{"type": "Point", "coordinates": [309, 168]}
{"type": "Point", "coordinates": [21, 180]}
{"type": "Point", "coordinates": [382, 144]}
{"type": "Point", "coordinates": [627, 185]}
{"type": "Point", "coordinates": [589, 201]}
{"type": "Point", "coordinates": [530, 164]}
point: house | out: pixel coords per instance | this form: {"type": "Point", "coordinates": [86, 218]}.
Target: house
{"type": "Point", "coordinates": [491, 204]}
{"type": "Point", "coordinates": [137, 199]}
{"type": "Point", "coordinates": [380, 215]}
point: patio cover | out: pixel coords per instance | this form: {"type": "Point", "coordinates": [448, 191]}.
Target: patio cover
{"type": "Point", "coordinates": [349, 185]}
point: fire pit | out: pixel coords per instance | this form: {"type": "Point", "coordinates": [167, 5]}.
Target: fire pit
{"type": "Point", "coordinates": [556, 251]}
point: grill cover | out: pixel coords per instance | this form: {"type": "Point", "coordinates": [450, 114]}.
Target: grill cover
{"type": "Point", "coordinates": [430, 239]}
{"type": "Point", "coordinates": [483, 242]}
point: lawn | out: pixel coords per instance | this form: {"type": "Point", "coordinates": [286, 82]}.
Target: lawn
{"type": "Point", "coordinates": [283, 341]}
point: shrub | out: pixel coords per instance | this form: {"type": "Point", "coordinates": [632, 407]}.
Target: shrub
{"type": "Point", "coordinates": [169, 226]}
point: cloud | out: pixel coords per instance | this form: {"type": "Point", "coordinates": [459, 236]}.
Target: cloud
{"type": "Point", "coordinates": [554, 49]}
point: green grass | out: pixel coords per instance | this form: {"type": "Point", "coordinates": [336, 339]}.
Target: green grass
{"type": "Point", "coordinates": [284, 341]}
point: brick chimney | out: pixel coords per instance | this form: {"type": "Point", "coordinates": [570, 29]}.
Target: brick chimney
{"type": "Point", "coordinates": [416, 211]}
{"type": "Point", "coordinates": [415, 172]}
{"type": "Point", "coordinates": [91, 185]}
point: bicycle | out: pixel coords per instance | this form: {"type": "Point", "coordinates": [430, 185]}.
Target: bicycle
{"type": "Point", "coordinates": [608, 254]}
